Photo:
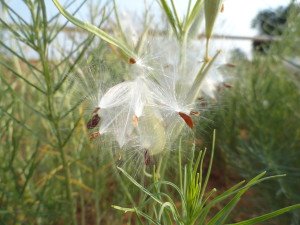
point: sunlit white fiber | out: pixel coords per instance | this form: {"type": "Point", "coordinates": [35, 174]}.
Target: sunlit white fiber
{"type": "Point", "coordinates": [211, 82]}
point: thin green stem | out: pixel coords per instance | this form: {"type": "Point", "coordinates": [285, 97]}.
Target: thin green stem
{"type": "Point", "coordinates": [42, 50]}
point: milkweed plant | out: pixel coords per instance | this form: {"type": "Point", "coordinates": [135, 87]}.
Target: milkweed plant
{"type": "Point", "coordinates": [169, 75]}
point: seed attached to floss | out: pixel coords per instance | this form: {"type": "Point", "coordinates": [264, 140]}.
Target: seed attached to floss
{"type": "Point", "coordinates": [222, 8]}
{"type": "Point", "coordinates": [135, 121]}
{"type": "Point", "coordinates": [194, 113]}
{"type": "Point", "coordinates": [230, 65]}
{"type": "Point", "coordinates": [132, 61]}
{"type": "Point", "coordinates": [187, 119]}
{"type": "Point", "coordinates": [92, 123]}
{"type": "Point", "coordinates": [94, 135]}
{"type": "Point", "coordinates": [226, 85]}
{"type": "Point", "coordinates": [96, 110]}
{"type": "Point", "coordinates": [147, 158]}
{"type": "Point", "coordinates": [203, 102]}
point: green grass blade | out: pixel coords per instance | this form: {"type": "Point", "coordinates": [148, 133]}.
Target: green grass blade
{"type": "Point", "coordinates": [222, 215]}
{"type": "Point", "coordinates": [267, 216]}
{"type": "Point", "coordinates": [170, 16]}
{"type": "Point", "coordinates": [136, 211]}
{"type": "Point", "coordinates": [176, 15]}
{"type": "Point", "coordinates": [139, 186]}
{"type": "Point", "coordinates": [193, 16]}
{"type": "Point", "coordinates": [95, 30]}
{"type": "Point", "coordinates": [195, 89]}
{"type": "Point", "coordinates": [184, 204]}
{"type": "Point", "coordinates": [21, 57]}
{"type": "Point", "coordinates": [209, 167]}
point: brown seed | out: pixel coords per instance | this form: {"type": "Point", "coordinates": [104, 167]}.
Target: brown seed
{"type": "Point", "coordinates": [135, 121]}
{"type": "Point", "coordinates": [94, 135]}
{"type": "Point", "coordinates": [187, 119]}
{"type": "Point", "coordinates": [230, 65]}
{"type": "Point", "coordinates": [92, 123]}
{"type": "Point", "coordinates": [203, 102]}
{"type": "Point", "coordinates": [226, 85]}
{"type": "Point", "coordinates": [222, 8]}
{"type": "Point", "coordinates": [96, 110]}
{"type": "Point", "coordinates": [147, 158]}
{"type": "Point", "coordinates": [132, 61]}
{"type": "Point", "coordinates": [194, 113]}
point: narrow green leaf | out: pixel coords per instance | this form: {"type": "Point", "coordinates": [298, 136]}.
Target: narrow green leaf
{"type": "Point", "coordinates": [209, 167]}
{"type": "Point", "coordinates": [95, 30]}
{"type": "Point", "coordinates": [195, 89]}
{"type": "Point", "coordinates": [119, 28]}
{"type": "Point", "coordinates": [221, 216]}
{"type": "Point", "coordinates": [71, 132]}
{"type": "Point", "coordinates": [54, 31]}
{"type": "Point", "coordinates": [267, 216]}
{"type": "Point", "coordinates": [21, 57]}
{"type": "Point", "coordinates": [136, 211]}
{"type": "Point", "coordinates": [139, 186]}
{"type": "Point", "coordinates": [193, 16]}
{"type": "Point", "coordinates": [86, 43]}
{"type": "Point", "coordinates": [171, 206]}
{"type": "Point", "coordinates": [183, 200]}
{"type": "Point", "coordinates": [170, 16]}
{"type": "Point", "coordinates": [176, 16]}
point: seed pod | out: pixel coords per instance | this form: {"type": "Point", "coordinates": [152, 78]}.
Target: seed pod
{"type": "Point", "coordinates": [211, 10]}
{"type": "Point", "coordinates": [152, 133]}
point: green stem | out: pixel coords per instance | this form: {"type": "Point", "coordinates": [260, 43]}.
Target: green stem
{"type": "Point", "coordinates": [183, 47]}
{"type": "Point", "coordinates": [97, 199]}
{"type": "Point", "coordinates": [42, 44]}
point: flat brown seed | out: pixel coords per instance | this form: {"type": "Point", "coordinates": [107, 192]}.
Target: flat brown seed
{"type": "Point", "coordinates": [132, 61]}
{"type": "Point", "coordinates": [96, 110]}
{"type": "Point", "coordinates": [230, 65]}
{"type": "Point", "coordinates": [147, 158]}
{"type": "Point", "coordinates": [226, 85]}
{"type": "Point", "coordinates": [94, 135]}
{"type": "Point", "coordinates": [222, 8]}
{"type": "Point", "coordinates": [135, 121]}
{"type": "Point", "coordinates": [187, 119]}
{"type": "Point", "coordinates": [92, 123]}
{"type": "Point", "coordinates": [194, 113]}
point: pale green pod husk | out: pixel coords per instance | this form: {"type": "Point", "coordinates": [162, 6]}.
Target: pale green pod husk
{"type": "Point", "coordinates": [152, 132]}
{"type": "Point", "coordinates": [211, 10]}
